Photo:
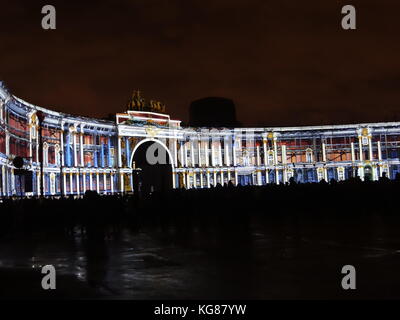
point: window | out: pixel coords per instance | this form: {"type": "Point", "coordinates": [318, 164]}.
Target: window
{"type": "Point", "coordinates": [33, 132]}
{"type": "Point", "coordinates": [270, 159]}
{"type": "Point", "coordinates": [57, 155]}
{"type": "Point", "coordinates": [320, 174]}
{"type": "Point", "coordinates": [309, 155]}
{"type": "Point", "coordinates": [245, 157]}
{"type": "Point", "coordinates": [364, 141]}
{"type": "Point", "coordinates": [45, 154]}
{"type": "Point", "coordinates": [340, 172]}
{"type": "Point", "coordinates": [52, 183]}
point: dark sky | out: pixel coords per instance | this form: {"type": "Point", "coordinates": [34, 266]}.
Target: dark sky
{"type": "Point", "coordinates": [282, 62]}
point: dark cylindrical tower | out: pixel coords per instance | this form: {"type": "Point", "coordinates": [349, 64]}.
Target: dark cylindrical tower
{"type": "Point", "coordinates": [213, 112]}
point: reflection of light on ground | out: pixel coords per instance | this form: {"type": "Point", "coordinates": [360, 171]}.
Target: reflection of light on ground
{"type": "Point", "coordinates": [276, 263]}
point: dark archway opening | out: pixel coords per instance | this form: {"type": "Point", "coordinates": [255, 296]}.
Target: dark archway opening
{"type": "Point", "coordinates": [368, 173]}
{"type": "Point", "coordinates": [150, 177]}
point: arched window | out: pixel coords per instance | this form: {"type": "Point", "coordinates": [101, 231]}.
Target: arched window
{"type": "Point", "coordinates": [33, 132]}
{"type": "Point", "coordinates": [57, 155]}
{"type": "Point", "coordinates": [340, 172]}
{"type": "Point", "coordinates": [45, 154]}
{"type": "Point", "coordinates": [320, 174]}
{"type": "Point", "coordinates": [309, 155]}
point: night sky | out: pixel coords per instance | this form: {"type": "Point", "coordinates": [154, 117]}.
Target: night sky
{"type": "Point", "coordinates": [282, 62]}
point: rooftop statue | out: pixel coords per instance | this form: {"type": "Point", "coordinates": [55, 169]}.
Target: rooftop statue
{"type": "Point", "coordinates": [137, 103]}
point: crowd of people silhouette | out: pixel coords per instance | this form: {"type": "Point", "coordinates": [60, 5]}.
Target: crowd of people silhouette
{"type": "Point", "coordinates": [222, 206]}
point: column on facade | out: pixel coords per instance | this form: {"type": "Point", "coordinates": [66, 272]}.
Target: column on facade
{"type": "Point", "coordinates": [13, 190]}
{"type": "Point", "coordinates": [370, 148]}
{"type": "Point", "coordinates": [360, 146]}
{"type": "Point", "coordinates": [226, 152]}
{"type": "Point", "coordinates": [3, 188]}
{"type": "Point", "coordinates": [208, 179]}
{"type": "Point", "coordinates": [284, 173]}
{"type": "Point", "coordinates": [173, 179]}
{"type": "Point", "coordinates": [212, 153]}
{"type": "Point", "coordinates": [64, 182]}
{"type": "Point", "coordinates": [8, 146]}
{"type": "Point", "coordinates": [8, 143]}
{"type": "Point", "coordinates": [215, 178]}
{"type": "Point", "coordinates": [199, 151]}
{"type": "Point", "coordinates": [236, 178]}
{"type": "Point", "coordinates": [91, 180]}
{"type": "Point", "coordinates": [175, 143]}
{"type": "Point", "coordinates": [119, 152]}
{"type": "Point", "coordinates": [379, 151]}
{"type": "Point", "coordinates": [353, 155]}
{"type": "Point", "coordinates": [121, 182]}
{"type": "Point", "coordinates": [82, 163]}
{"type": "Point", "coordinates": [258, 156]}
{"type": "Point", "coordinates": [185, 155]}
{"type": "Point", "coordinates": [97, 182]}
{"type": "Point", "coordinates": [62, 144]}
{"type": "Point", "coordinates": [192, 156]}
{"type": "Point", "coordinates": [201, 179]}
{"type": "Point", "coordinates": [84, 182]}
{"type": "Point", "coordinates": [234, 151]}
{"type": "Point", "coordinates": [30, 141]}
{"type": "Point", "coordinates": [109, 161]}
{"type": "Point", "coordinates": [77, 183]}
{"type": "Point", "coordinates": [75, 150]}
{"type": "Point", "coordinates": [259, 179]}
{"type": "Point", "coordinates": [112, 182]}
{"type": "Point", "coordinates": [182, 154]}
{"type": "Point", "coordinates": [323, 152]}
{"type": "Point", "coordinates": [220, 152]}
{"type": "Point", "coordinates": [206, 152]}
{"type": "Point", "coordinates": [127, 151]}
{"type": "Point", "coordinates": [71, 185]}
{"type": "Point", "coordinates": [188, 186]}
{"type": "Point", "coordinates": [380, 158]}
{"type": "Point", "coordinates": [105, 182]}
{"type": "Point", "coordinates": [276, 161]}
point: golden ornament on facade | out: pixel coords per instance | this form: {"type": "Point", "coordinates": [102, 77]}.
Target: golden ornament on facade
{"type": "Point", "coordinates": [152, 132]}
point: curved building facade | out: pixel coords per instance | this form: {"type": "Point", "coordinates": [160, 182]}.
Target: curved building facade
{"type": "Point", "coordinates": [65, 154]}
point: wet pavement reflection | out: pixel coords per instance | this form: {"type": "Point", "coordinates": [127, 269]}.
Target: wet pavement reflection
{"type": "Point", "coordinates": [274, 260]}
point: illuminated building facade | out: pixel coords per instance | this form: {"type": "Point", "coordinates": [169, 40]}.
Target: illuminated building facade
{"type": "Point", "coordinates": [82, 154]}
